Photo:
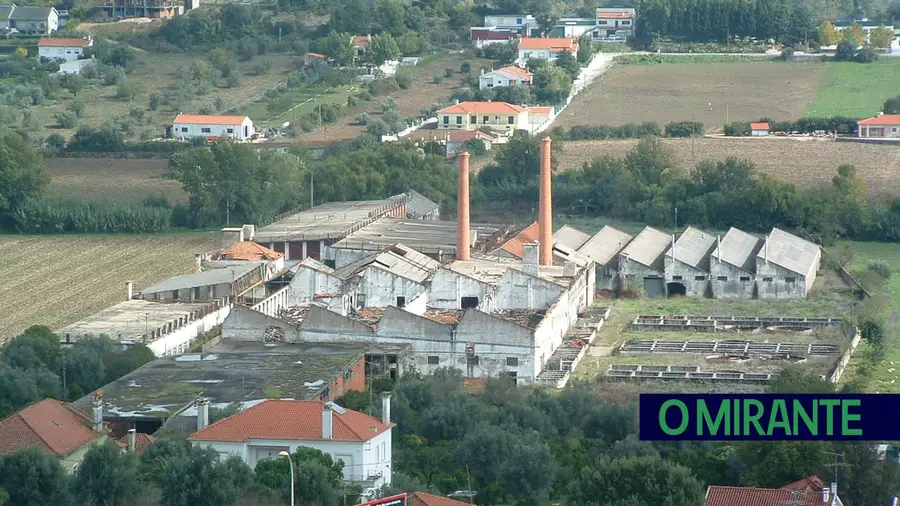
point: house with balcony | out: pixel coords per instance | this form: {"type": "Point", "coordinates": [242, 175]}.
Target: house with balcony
{"type": "Point", "coordinates": [614, 24]}
{"type": "Point", "coordinates": [499, 116]}
{"type": "Point", "coordinates": [545, 48]}
{"type": "Point", "coordinates": [520, 24]}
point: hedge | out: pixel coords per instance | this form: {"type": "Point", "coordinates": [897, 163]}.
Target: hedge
{"type": "Point", "coordinates": [839, 124]}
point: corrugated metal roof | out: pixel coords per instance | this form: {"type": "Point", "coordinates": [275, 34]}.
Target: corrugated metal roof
{"type": "Point", "coordinates": [739, 249]}
{"type": "Point", "coordinates": [693, 248]}
{"type": "Point", "coordinates": [605, 245]}
{"type": "Point", "coordinates": [789, 251]}
{"type": "Point", "coordinates": [648, 247]}
{"type": "Point", "coordinates": [399, 260]}
{"type": "Point", "coordinates": [420, 205]}
{"type": "Point", "coordinates": [570, 236]}
{"type": "Point", "coordinates": [205, 278]}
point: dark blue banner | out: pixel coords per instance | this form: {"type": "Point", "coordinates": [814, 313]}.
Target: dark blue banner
{"type": "Point", "coordinates": [773, 417]}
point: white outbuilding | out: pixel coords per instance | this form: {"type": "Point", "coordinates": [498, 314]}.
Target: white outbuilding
{"type": "Point", "coordinates": [190, 126]}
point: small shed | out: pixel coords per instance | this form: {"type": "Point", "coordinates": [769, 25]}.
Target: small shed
{"type": "Point", "coordinates": [759, 129]}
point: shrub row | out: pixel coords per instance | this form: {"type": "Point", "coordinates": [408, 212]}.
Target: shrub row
{"type": "Point", "coordinates": [55, 216]}
{"type": "Point", "coordinates": [838, 124]}
{"type": "Point", "coordinates": [632, 131]}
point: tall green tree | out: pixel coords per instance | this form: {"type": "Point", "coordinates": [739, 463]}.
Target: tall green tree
{"type": "Point", "coordinates": [317, 477]}
{"type": "Point", "coordinates": [384, 48]}
{"type": "Point", "coordinates": [198, 478]}
{"type": "Point", "coordinates": [337, 45]}
{"type": "Point", "coordinates": [635, 481]}
{"type": "Point", "coordinates": [31, 478]}
{"type": "Point", "coordinates": [107, 476]}
{"type": "Point", "coordinates": [23, 176]}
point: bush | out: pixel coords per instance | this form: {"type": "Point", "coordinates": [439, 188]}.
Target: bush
{"type": "Point", "coordinates": [113, 76]}
{"type": "Point", "coordinates": [77, 107]}
{"type": "Point", "coordinates": [404, 80]}
{"type": "Point", "coordinates": [476, 147]}
{"type": "Point", "coordinates": [126, 91]}
{"type": "Point", "coordinates": [627, 131]}
{"type": "Point", "coordinates": [66, 119]}
{"type": "Point", "coordinates": [362, 119]}
{"type": "Point", "coordinates": [881, 267]}
{"type": "Point", "coordinates": [465, 67]}
{"type": "Point", "coordinates": [737, 128]}
{"type": "Point", "coordinates": [55, 142]}
{"type": "Point", "coordinates": [787, 53]}
{"type": "Point", "coordinates": [383, 86]}
{"type": "Point", "coordinates": [365, 95]}
{"type": "Point", "coordinates": [378, 128]}
{"type": "Point", "coordinates": [684, 128]}
{"type": "Point", "coordinates": [448, 72]}
{"type": "Point", "coordinates": [351, 101]}
{"type": "Point", "coordinates": [437, 79]}
{"type": "Point", "coordinates": [866, 55]}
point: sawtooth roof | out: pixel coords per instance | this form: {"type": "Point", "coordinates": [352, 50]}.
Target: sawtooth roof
{"type": "Point", "coordinates": [648, 248]}
{"type": "Point", "coordinates": [739, 249]}
{"type": "Point", "coordinates": [693, 247]}
{"type": "Point", "coordinates": [789, 251]}
{"type": "Point", "coordinates": [603, 247]}
{"type": "Point", "coordinates": [420, 205]}
{"type": "Point", "coordinates": [399, 260]}
{"type": "Point", "coordinates": [570, 236]}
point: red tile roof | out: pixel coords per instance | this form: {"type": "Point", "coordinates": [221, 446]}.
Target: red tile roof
{"type": "Point", "coordinates": [51, 425]}
{"type": "Point", "coordinates": [759, 126]}
{"type": "Point", "coordinates": [482, 108]}
{"type": "Point", "coordinates": [884, 119]}
{"type": "Point", "coordinates": [202, 119]}
{"type": "Point", "coordinates": [519, 71]}
{"type": "Point", "coordinates": [613, 15]}
{"type": "Point", "coordinates": [249, 250]}
{"type": "Point", "coordinates": [317, 55]}
{"type": "Point", "coordinates": [745, 496]}
{"type": "Point", "coordinates": [541, 110]}
{"type": "Point", "coordinates": [552, 44]}
{"type": "Point", "coordinates": [423, 499]}
{"type": "Point", "coordinates": [361, 40]}
{"type": "Point", "coordinates": [63, 42]}
{"type": "Point", "coordinates": [812, 483]}
{"type": "Point", "coordinates": [463, 136]}
{"type": "Point", "coordinates": [516, 245]}
{"type": "Point", "coordinates": [293, 421]}
{"type": "Point", "coordinates": [141, 442]}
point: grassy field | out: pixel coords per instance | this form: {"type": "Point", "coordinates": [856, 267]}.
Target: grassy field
{"type": "Point", "coordinates": [854, 90]}
{"type": "Point", "coordinates": [803, 162]}
{"type": "Point", "coordinates": [61, 279]}
{"type": "Point", "coordinates": [111, 178]}
{"type": "Point", "coordinates": [683, 91]}
{"type": "Point", "coordinates": [303, 101]}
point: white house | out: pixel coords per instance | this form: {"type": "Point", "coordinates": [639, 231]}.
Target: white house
{"type": "Point", "coordinates": [545, 48]}
{"type": "Point", "coordinates": [62, 48]}
{"type": "Point", "coordinates": [880, 126]}
{"type": "Point", "coordinates": [521, 24]}
{"type": "Point", "coordinates": [34, 20]}
{"type": "Point", "coordinates": [507, 76]}
{"type": "Point", "coordinates": [759, 129]}
{"type": "Point", "coordinates": [262, 432]}
{"type": "Point", "coordinates": [474, 115]}
{"type": "Point", "coordinates": [614, 24]}
{"type": "Point", "coordinates": [189, 126]}
{"type": "Point", "coordinates": [574, 27]}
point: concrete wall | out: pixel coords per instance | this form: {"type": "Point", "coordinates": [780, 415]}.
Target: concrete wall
{"type": "Point", "coordinates": [518, 290]}
{"type": "Point", "coordinates": [495, 342]}
{"type": "Point", "coordinates": [343, 256]}
{"type": "Point", "coordinates": [607, 277]}
{"type": "Point", "coordinates": [321, 325]}
{"type": "Point", "coordinates": [633, 273]}
{"type": "Point", "coordinates": [178, 340]}
{"type": "Point", "coordinates": [245, 324]}
{"type": "Point", "coordinates": [737, 283]}
{"type": "Point", "coordinates": [449, 287]}
{"type": "Point", "coordinates": [772, 282]}
{"type": "Point", "coordinates": [551, 331]}
{"type": "Point", "coordinates": [695, 281]}
{"type": "Point", "coordinates": [382, 287]}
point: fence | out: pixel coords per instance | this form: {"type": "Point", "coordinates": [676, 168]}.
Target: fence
{"type": "Point", "coordinates": [410, 129]}
{"type": "Point", "coordinates": [845, 359]}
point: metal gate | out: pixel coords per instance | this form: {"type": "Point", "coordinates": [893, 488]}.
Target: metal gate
{"type": "Point", "coordinates": [654, 287]}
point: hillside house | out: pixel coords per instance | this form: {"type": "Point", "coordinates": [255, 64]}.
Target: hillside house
{"type": "Point", "coordinates": [484, 36]}
{"type": "Point", "coordinates": [361, 44]}
{"type": "Point", "coordinates": [732, 265]}
{"type": "Point", "coordinates": [262, 432]}
{"type": "Point", "coordinates": [545, 48]}
{"type": "Point", "coordinates": [154, 9]}
{"type": "Point", "coordinates": [65, 49]}
{"type": "Point", "coordinates": [520, 24]}
{"type": "Point", "coordinates": [507, 76]}
{"type": "Point", "coordinates": [499, 116]}
{"type": "Point", "coordinates": [687, 263]}
{"type": "Point", "coordinates": [603, 249]}
{"type": "Point", "coordinates": [759, 129]}
{"type": "Point", "coordinates": [641, 263]}
{"type": "Point", "coordinates": [786, 266]}
{"type": "Point", "coordinates": [34, 20]}
{"type": "Point", "coordinates": [211, 127]}
{"type": "Point", "coordinates": [614, 24]}
{"type": "Point", "coordinates": [458, 142]}
{"type": "Point", "coordinates": [883, 126]}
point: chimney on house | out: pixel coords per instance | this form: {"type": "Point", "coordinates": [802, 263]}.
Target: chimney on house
{"type": "Point", "coordinates": [825, 493]}
{"type": "Point", "coordinates": [132, 436]}
{"type": "Point", "coordinates": [462, 209]}
{"type": "Point", "coordinates": [202, 413]}
{"type": "Point", "coordinates": [97, 410]}
{"type": "Point", "coordinates": [545, 216]}
{"type": "Point", "coordinates": [129, 290]}
{"type": "Point", "coordinates": [386, 408]}
{"type": "Point", "coordinates": [570, 269]}
{"type": "Point", "coordinates": [530, 256]}
{"type": "Point", "coordinates": [249, 232]}
{"type": "Point", "coordinates": [327, 420]}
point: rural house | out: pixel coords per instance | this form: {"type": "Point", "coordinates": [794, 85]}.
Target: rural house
{"type": "Point", "coordinates": [603, 249]}
{"type": "Point", "coordinates": [473, 115]}
{"type": "Point", "coordinates": [61, 48]}
{"type": "Point", "coordinates": [361, 44]}
{"type": "Point", "coordinates": [211, 127]}
{"type": "Point", "coordinates": [517, 23]}
{"type": "Point", "coordinates": [573, 27]}
{"type": "Point", "coordinates": [614, 24]}
{"type": "Point", "coordinates": [545, 48]}
{"type": "Point", "coordinates": [262, 432]}
{"type": "Point", "coordinates": [687, 263]}
{"type": "Point", "coordinates": [485, 36]}
{"type": "Point", "coordinates": [507, 76]}
{"type": "Point", "coordinates": [162, 9]}
{"type": "Point", "coordinates": [641, 263]}
{"type": "Point", "coordinates": [880, 126]}
{"type": "Point", "coordinates": [54, 428]}
{"type": "Point", "coordinates": [732, 265]}
{"type": "Point", "coordinates": [34, 20]}
{"type": "Point", "coordinates": [459, 142]}
{"type": "Point", "coordinates": [759, 129]}
{"type": "Point", "coordinates": [786, 266]}
{"type": "Point", "coordinates": [807, 492]}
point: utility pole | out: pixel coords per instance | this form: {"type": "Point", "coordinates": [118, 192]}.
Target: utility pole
{"type": "Point", "coordinates": [836, 464]}
{"type": "Point", "coordinates": [312, 175]}
{"type": "Point", "coordinates": [469, 480]}
{"type": "Point", "coordinates": [693, 136]}
{"type": "Point", "coordinates": [676, 217]}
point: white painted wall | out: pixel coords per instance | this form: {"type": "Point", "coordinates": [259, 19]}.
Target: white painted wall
{"type": "Point", "coordinates": [448, 287]}
{"type": "Point", "coordinates": [179, 340]}
{"type": "Point", "coordinates": [70, 53]}
{"type": "Point", "coordinates": [382, 287]}
{"type": "Point", "coordinates": [190, 130]}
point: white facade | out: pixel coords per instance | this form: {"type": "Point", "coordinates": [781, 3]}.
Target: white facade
{"type": "Point", "coordinates": [34, 20]}
{"type": "Point", "coordinates": [501, 78]}
{"type": "Point", "coordinates": [614, 23]}
{"type": "Point", "coordinates": [67, 53]}
{"type": "Point", "coordinates": [523, 24]}
{"type": "Point", "coordinates": [242, 130]}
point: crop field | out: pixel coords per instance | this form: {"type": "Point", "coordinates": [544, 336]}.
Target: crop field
{"type": "Point", "coordinates": [854, 90]}
{"type": "Point", "coordinates": [712, 93]}
{"type": "Point", "coordinates": [58, 280]}
{"type": "Point", "coordinates": [805, 163]}
{"type": "Point", "coordinates": [126, 180]}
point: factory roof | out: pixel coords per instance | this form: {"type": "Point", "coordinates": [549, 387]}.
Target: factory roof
{"type": "Point", "coordinates": [332, 220]}
{"type": "Point", "coordinates": [206, 278]}
{"type": "Point", "coordinates": [132, 319]}
{"type": "Point", "coordinates": [693, 247]}
{"type": "Point", "coordinates": [399, 260]}
{"type": "Point", "coordinates": [230, 372]}
{"type": "Point", "coordinates": [515, 246]}
{"type": "Point", "coordinates": [570, 236]}
{"type": "Point", "coordinates": [789, 251]}
{"type": "Point", "coordinates": [739, 249]}
{"type": "Point", "coordinates": [426, 236]}
{"type": "Point", "coordinates": [648, 248]}
{"type": "Point", "coordinates": [491, 269]}
{"type": "Point", "coordinates": [530, 318]}
{"type": "Point", "coordinates": [605, 245]}
{"type": "Point", "coordinates": [420, 206]}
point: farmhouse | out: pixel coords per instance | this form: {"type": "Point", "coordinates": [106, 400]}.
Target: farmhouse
{"type": "Point", "coordinates": [34, 20]}
{"type": "Point", "coordinates": [507, 76]}
{"type": "Point", "coordinates": [545, 48]}
{"type": "Point", "coordinates": [759, 129]}
{"type": "Point", "coordinates": [191, 126]}
{"type": "Point", "coordinates": [687, 263]}
{"type": "Point", "coordinates": [262, 432]}
{"type": "Point", "coordinates": [603, 249]}
{"type": "Point", "coordinates": [361, 44]}
{"type": "Point", "coordinates": [880, 126]}
{"type": "Point", "coordinates": [786, 266]}
{"type": "Point", "coordinates": [474, 115]}
{"type": "Point", "coordinates": [732, 265]}
{"type": "Point", "coordinates": [61, 48]}
{"type": "Point", "coordinates": [641, 263]}
{"type": "Point", "coordinates": [614, 24]}
{"type": "Point", "coordinates": [484, 36]}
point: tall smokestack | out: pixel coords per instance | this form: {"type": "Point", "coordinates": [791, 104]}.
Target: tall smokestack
{"type": "Point", "coordinates": [462, 209]}
{"type": "Point", "coordinates": [545, 213]}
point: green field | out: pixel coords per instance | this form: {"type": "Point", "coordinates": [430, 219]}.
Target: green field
{"type": "Point", "coordinates": [294, 103]}
{"type": "Point", "coordinates": [855, 90]}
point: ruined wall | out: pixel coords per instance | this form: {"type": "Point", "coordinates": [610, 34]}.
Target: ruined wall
{"type": "Point", "coordinates": [518, 290]}
{"type": "Point", "coordinates": [500, 347]}
{"type": "Point", "coordinates": [776, 282]}
{"type": "Point", "coordinates": [322, 325]}
{"type": "Point", "coordinates": [632, 275]}
{"type": "Point", "coordinates": [730, 282]}
{"type": "Point", "coordinates": [245, 324]}
{"type": "Point", "coordinates": [343, 256]}
{"type": "Point", "coordinates": [382, 287]}
{"type": "Point", "coordinates": [449, 287]}
{"type": "Point", "coordinates": [308, 282]}
{"type": "Point", "coordinates": [695, 281]}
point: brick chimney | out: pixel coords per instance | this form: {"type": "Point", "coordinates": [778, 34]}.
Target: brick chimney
{"type": "Point", "coordinates": [545, 215]}
{"type": "Point", "coordinates": [462, 209]}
